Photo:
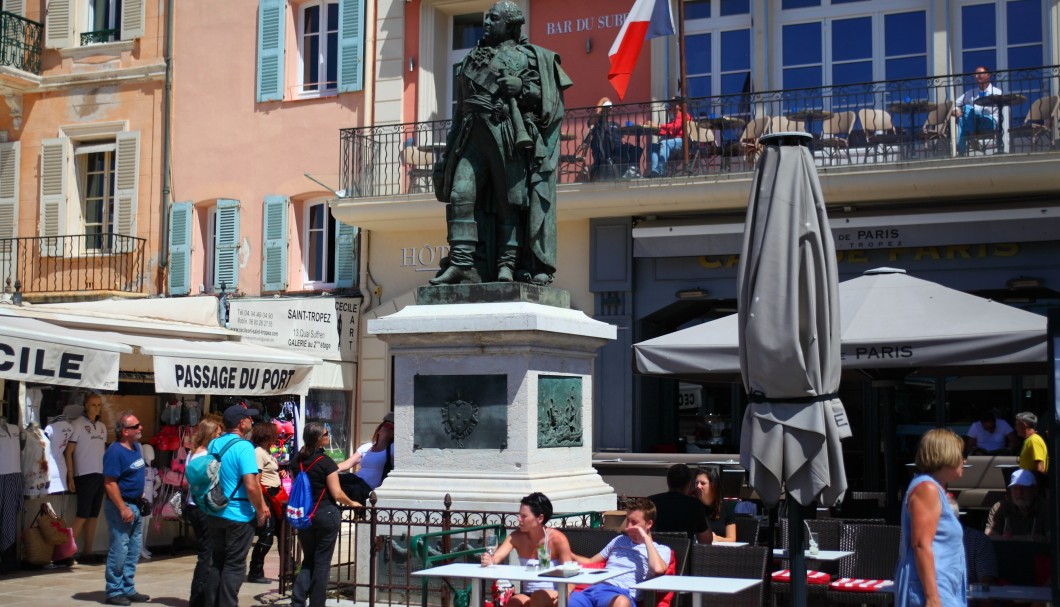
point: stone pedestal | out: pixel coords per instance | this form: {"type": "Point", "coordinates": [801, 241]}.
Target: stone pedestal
{"type": "Point", "coordinates": [469, 381]}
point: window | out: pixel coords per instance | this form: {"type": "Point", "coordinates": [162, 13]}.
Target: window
{"type": "Point", "coordinates": [72, 23]}
{"type": "Point", "coordinates": [319, 46]}
{"type": "Point", "coordinates": [718, 54]}
{"type": "Point", "coordinates": [1006, 34]}
{"type": "Point", "coordinates": [100, 203]}
{"type": "Point", "coordinates": [329, 257]}
{"type": "Point", "coordinates": [464, 34]}
{"type": "Point", "coordinates": [329, 41]}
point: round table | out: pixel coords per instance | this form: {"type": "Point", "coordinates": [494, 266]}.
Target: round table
{"type": "Point", "coordinates": [1000, 102]}
{"type": "Point", "coordinates": [722, 122]}
{"type": "Point", "coordinates": [919, 106]}
{"type": "Point", "coordinates": [809, 116]}
{"type": "Point", "coordinates": [566, 137]}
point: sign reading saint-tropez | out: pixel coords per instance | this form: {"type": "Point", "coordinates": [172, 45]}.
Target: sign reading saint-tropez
{"type": "Point", "coordinates": [324, 327]}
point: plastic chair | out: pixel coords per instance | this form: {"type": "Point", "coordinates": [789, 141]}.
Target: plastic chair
{"type": "Point", "coordinates": [1038, 125]}
{"type": "Point", "coordinates": [749, 562]}
{"type": "Point", "coordinates": [419, 167]}
{"type": "Point", "coordinates": [835, 134]}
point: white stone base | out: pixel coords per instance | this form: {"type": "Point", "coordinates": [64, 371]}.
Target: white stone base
{"type": "Point", "coordinates": [521, 341]}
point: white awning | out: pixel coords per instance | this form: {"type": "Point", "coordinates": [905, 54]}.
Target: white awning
{"type": "Point", "coordinates": [39, 352]}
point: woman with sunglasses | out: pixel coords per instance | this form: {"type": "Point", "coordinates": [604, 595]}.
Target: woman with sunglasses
{"type": "Point", "coordinates": [318, 541]}
{"type": "Point", "coordinates": [377, 457]}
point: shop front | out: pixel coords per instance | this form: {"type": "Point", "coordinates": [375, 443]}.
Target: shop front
{"type": "Point", "coordinates": [57, 363]}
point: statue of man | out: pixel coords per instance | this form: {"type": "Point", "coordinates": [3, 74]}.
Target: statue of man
{"type": "Point", "coordinates": [498, 173]}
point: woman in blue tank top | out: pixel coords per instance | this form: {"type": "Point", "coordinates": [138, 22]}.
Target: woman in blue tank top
{"type": "Point", "coordinates": [931, 568]}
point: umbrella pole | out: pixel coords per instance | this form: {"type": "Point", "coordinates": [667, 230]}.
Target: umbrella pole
{"type": "Point", "coordinates": [797, 557]}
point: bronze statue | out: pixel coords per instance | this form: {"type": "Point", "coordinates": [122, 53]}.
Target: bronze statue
{"type": "Point", "coordinates": [498, 173]}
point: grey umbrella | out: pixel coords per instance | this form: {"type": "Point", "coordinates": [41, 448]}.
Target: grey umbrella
{"type": "Point", "coordinates": [787, 296]}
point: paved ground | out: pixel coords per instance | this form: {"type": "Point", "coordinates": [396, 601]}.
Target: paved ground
{"type": "Point", "coordinates": [166, 579]}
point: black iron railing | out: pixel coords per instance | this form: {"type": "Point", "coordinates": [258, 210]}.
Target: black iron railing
{"type": "Point", "coordinates": [71, 264]}
{"type": "Point", "coordinates": [870, 123]}
{"type": "Point", "coordinates": [100, 36]}
{"type": "Point", "coordinates": [374, 557]}
{"type": "Point", "coordinates": [20, 42]}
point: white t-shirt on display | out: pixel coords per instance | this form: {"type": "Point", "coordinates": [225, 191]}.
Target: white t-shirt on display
{"type": "Point", "coordinates": [10, 449]}
{"type": "Point", "coordinates": [91, 439]}
{"type": "Point", "coordinates": [990, 441]}
{"type": "Point", "coordinates": [58, 433]}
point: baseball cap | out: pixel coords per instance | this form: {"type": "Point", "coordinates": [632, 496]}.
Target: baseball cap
{"type": "Point", "coordinates": [1024, 478]}
{"type": "Point", "coordinates": [235, 414]}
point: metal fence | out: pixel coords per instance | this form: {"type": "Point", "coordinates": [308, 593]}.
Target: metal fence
{"type": "Point", "coordinates": [20, 42]}
{"type": "Point", "coordinates": [66, 264]}
{"type": "Point", "coordinates": [870, 123]}
{"type": "Point", "coordinates": [374, 558]}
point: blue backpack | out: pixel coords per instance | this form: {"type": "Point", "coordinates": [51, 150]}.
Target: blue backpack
{"type": "Point", "coordinates": [301, 507]}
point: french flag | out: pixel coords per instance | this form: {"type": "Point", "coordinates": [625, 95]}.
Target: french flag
{"type": "Point", "coordinates": [648, 19]}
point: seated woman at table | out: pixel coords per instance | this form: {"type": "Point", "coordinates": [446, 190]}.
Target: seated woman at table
{"type": "Point", "coordinates": [612, 157]}
{"type": "Point", "coordinates": [720, 516]}
{"type": "Point", "coordinates": [669, 139]}
{"type": "Point", "coordinates": [532, 535]}
{"type": "Point", "coordinates": [931, 570]}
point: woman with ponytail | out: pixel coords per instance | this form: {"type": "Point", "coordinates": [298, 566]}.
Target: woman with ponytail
{"type": "Point", "coordinates": [318, 541]}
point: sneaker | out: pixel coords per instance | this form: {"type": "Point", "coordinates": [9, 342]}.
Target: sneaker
{"type": "Point", "coordinates": [118, 600]}
{"type": "Point", "coordinates": [631, 173]}
{"type": "Point", "coordinates": [258, 579]}
{"type": "Point", "coordinates": [136, 597]}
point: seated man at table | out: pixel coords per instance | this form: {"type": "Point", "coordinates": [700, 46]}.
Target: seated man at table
{"type": "Point", "coordinates": [612, 157]}
{"type": "Point", "coordinates": [679, 512]}
{"type": "Point", "coordinates": [973, 118]}
{"type": "Point", "coordinates": [634, 553]}
{"type": "Point", "coordinates": [1022, 515]}
{"type": "Point", "coordinates": [991, 436]}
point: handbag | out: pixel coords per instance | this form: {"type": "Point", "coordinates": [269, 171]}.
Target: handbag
{"type": "Point", "coordinates": [67, 549]}
{"type": "Point", "coordinates": [52, 526]}
{"type": "Point", "coordinates": [173, 478]}
{"type": "Point", "coordinates": [173, 509]}
{"type": "Point", "coordinates": [38, 551]}
{"type": "Point", "coordinates": [277, 502]}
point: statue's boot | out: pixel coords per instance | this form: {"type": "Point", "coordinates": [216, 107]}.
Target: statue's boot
{"type": "Point", "coordinates": [463, 238]}
{"type": "Point", "coordinates": [508, 253]}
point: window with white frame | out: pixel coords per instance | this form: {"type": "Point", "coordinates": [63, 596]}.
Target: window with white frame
{"type": "Point", "coordinates": [89, 189]}
{"type": "Point", "coordinates": [329, 252]}
{"type": "Point", "coordinates": [318, 46]}
{"type": "Point", "coordinates": [464, 33]}
{"type": "Point", "coordinates": [73, 23]}
{"type": "Point", "coordinates": [1002, 34]}
{"type": "Point", "coordinates": [718, 54]}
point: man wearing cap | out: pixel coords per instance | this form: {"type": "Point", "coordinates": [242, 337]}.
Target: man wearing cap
{"type": "Point", "coordinates": [232, 530]}
{"type": "Point", "coordinates": [1022, 514]}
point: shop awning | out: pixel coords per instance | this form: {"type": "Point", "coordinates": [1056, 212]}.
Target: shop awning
{"type": "Point", "coordinates": [39, 352]}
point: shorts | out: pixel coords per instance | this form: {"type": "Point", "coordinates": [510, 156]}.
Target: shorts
{"type": "Point", "coordinates": [89, 495]}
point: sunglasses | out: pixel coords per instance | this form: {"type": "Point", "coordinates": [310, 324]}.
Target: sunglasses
{"type": "Point", "coordinates": [326, 434]}
{"type": "Point", "coordinates": [134, 427]}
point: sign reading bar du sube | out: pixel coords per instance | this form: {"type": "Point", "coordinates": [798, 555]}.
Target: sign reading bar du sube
{"type": "Point", "coordinates": [323, 327]}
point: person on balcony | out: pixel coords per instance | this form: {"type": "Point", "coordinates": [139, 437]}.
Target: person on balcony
{"type": "Point", "coordinates": [498, 173]}
{"type": "Point", "coordinates": [670, 139]}
{"type": "Point", "coordinates": [973, 118]}
{"type": "Point", "coordinates": [612, 157]}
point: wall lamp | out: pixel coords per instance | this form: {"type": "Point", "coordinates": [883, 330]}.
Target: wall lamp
{"type": "Point", "coordinates": [695, 293]}
{"type": "Point", "coordinates": [1024, 282]}
{"type": "Point", "coordinates": [412, 64]}
{"type": "Point", "coordinates": [588, 45]}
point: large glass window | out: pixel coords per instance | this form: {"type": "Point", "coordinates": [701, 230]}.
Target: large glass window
{"type": "Point", "coordinates": [320, 244]}
{"type": "Point", "coordinates": [1006, 34]}
{"type": "Point", "coordinates": [97, 194]}
{"type": "Point", "coordinates": [319, 46]}
{"type": "Point", "coordinates": [465, 32]}
{"type": "Point", "coordinates": [103, 21]}
{"type": "Point", "coordinates": [718, 54]}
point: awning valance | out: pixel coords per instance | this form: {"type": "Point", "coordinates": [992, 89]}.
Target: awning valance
{"type": "Point", "coordinates": [39, 352]}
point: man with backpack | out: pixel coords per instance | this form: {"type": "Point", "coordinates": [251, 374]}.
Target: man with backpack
{"type": "Point", "coordinates": [231, 524]}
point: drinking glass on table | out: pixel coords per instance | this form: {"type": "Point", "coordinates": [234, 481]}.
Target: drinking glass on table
{"type": "Point", "coordinates": [489, 540]}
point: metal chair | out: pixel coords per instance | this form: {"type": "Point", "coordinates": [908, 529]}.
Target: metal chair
{"type": "Point", "coordinates": [935, 134]}
{"type": "Point", "coordinates": [419, 167]}
{"type": "Point", "coordinates": [1038, 125]}
{"type": "Point", "coordinates": [879, 131]}
{"type": "Point", "coordinates": [875, 549]}
{"type": "Point", "coordinates": [576, 164]}
{"type": "Point", "coordinates": [749, 562]}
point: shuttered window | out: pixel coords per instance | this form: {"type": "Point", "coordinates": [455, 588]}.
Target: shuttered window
{"type": "Point", "coordinates": [66, 20]}
{"type": "Point", "coordinates": [274, 254]}
{"type": "Point", "coordinates": [9, 163]}
{"type": "Point", "coordinates": [132, 19]}
{"type": "Point", "coordinates": [351, 45]}
{"type": "Point", "coordinates": [271, 20]}
{"type": "Point", "coordinates": [226, 245]}
{"type": "Point", "coordinates": [346, 260]}
{"type": "Point", "coordinates": [54, 158]}
{"type": "Point", "coordinates": [17, 7]}
{"type": "Point", "coordinates": [180, 240]}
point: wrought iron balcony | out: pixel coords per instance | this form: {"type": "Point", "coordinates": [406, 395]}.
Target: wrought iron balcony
{"type": "Point", "coordinates": [20, 42]}
{"type": "Point", "coordinates": [73, 264]}
{"type": "Point", "coordinates": [99, 36]}
{"type": "Point", "coordinates": [870, 125]}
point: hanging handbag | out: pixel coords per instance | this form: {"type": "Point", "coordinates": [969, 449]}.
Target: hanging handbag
{"type": "Point", "coordinates": [52, 526]}
{"type": "Point", "coordinates": [67, 549]}
{"type": "Point", "coordinates": [38, 551]}
{"type": "Point", "coordinates": [174, 507]}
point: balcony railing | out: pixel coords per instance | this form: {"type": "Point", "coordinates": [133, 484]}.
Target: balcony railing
{"type": "Point", "coordinates": [871, 124]}
{"type": "Point", "coordinates": [20, 41]}
{"type": "Point", "coordinates": [73, 264]}
{"type": "Point", "coordinates": [100, 36]}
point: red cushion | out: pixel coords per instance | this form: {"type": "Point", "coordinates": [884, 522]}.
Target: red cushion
{"type": "Point", "coordinates": [846, 584]}
{"type": "Point", "coordinates": [600, 565]}
{"type": "Point", "coordinates": [812, 577]}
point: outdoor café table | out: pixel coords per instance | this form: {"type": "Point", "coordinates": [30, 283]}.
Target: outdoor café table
{"type": "Point", "coordinates": [1041, 594]}
{"type": "Point", "coordinates": [1000, 102]}
{"type": "Point", "coordinates": [809, 116]}
{"type": "Point", "coordinates": [912, 109]}
{"type": "Point", "coordinates": [697, 585]}
{"type": "Point", "coordinates": [822, 555]}
{"type": "Point", "coordinates": [642, 134]}
{"type": "Point", "coordinates": [475, 571]}
{"type": "Point", "coordinates": [729, 544]}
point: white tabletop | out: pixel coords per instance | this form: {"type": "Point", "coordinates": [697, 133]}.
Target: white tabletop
{"type": "Point", "coordinates": [697, 585]}
{"type": "Point", "coordinates": [729, 544]}
{"type": "Point", "coordinates": [474, 571]}
{"type": "Point", "coordinates": [822, 555]}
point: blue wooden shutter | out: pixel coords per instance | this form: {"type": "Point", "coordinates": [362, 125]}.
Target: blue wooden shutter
{"type": "Point", "coordinates": [345, 255]}
{"type": "Point", "coordinates": [271, 20]}
{"type": "Point", "coordinates": [274, 252]}
{"type": "Point", "coordinates": [180, 216]}
{"type": "Point", "coordinates": [351, 45]}
{"type": "Point", "coordinates": [226, 239]}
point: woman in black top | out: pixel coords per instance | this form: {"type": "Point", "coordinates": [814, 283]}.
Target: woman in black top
{"type": "Point", "coordinates": [318, 541]}
{"type": "Point", "coordinates": [721, 518]}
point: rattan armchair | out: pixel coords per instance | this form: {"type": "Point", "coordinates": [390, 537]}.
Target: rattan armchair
{"type": "Point", "coordinates": [828, 532]}
{"type": "Point", "coordinates": [749, 562]}
{"type": "Point", "coordinates": [588, 542]}
{"type": "Point", "coordinates": [875, 549]}
{"type": "Point", "coordinates": [747, 529]}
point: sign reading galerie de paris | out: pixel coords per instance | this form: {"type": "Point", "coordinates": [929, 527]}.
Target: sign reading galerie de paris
{"type": "Point", "coordinates": [325, 327]}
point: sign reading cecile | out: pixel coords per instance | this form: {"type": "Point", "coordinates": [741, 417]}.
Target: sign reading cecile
{"type": "Point", "coordinates": [65, 365]}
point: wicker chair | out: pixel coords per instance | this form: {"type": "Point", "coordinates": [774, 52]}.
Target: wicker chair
{"type": "Point", "coordinates": [828, 533]}
{"type": "Point", "coordinates": [588, 542]}
{"type": "Point", "coordinates": [749, 562]}
{"type": "Point", "coordinates": [747, 529]}
{"type": "Point", "coordinates": [875, 549]}
{"type": "Point", "coordinates": [679, 543]}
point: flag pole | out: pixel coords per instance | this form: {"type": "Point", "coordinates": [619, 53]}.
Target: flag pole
{"type": "Point", "coordinates": [682, 83]}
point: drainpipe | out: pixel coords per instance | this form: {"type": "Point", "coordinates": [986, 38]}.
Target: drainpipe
{"type": "Point", "coordinates": [167, 128]}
